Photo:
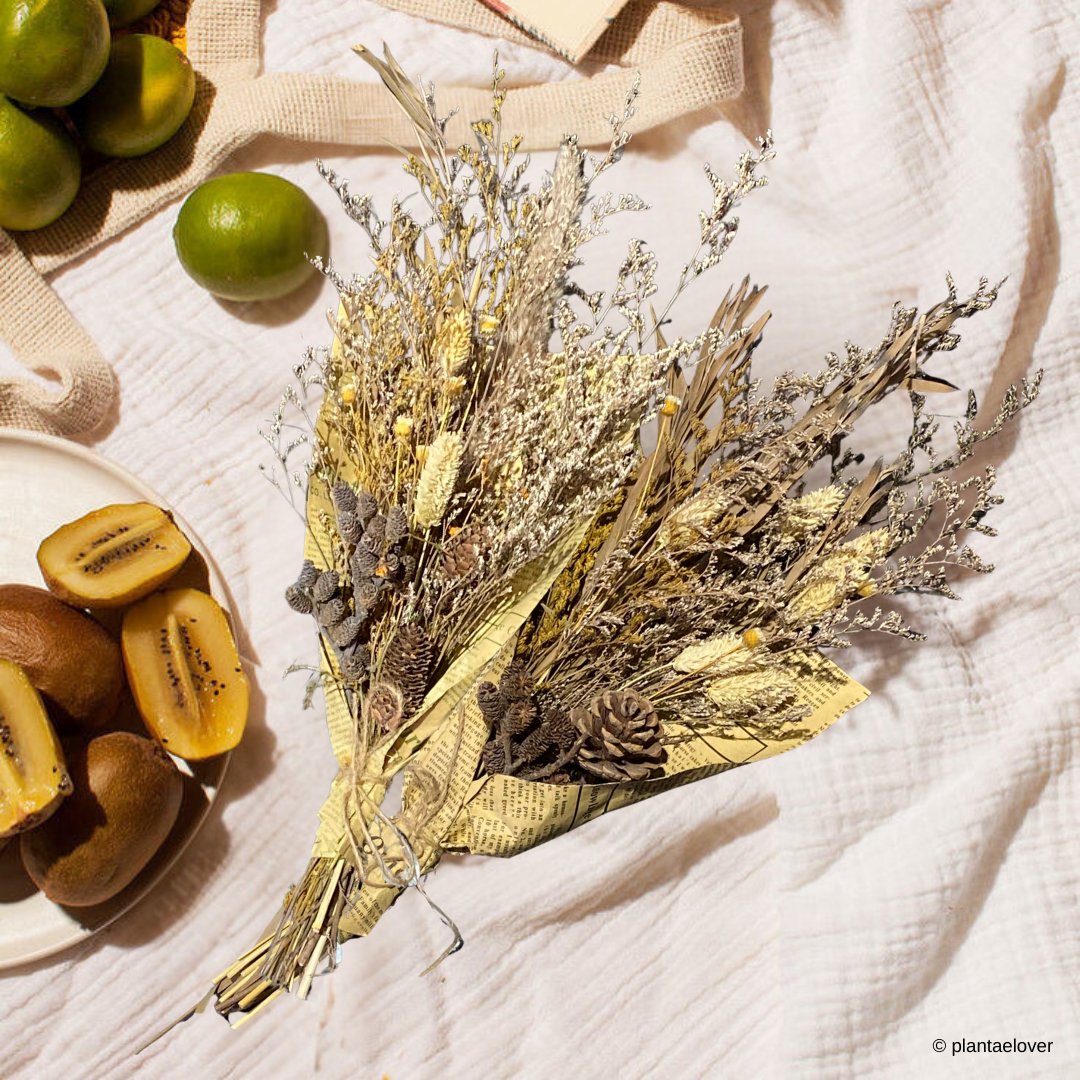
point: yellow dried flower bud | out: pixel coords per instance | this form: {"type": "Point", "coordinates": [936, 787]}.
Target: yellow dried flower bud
{"type": "Point", "coordinates": [487, 325]}
{"type": "Point", "coordinates": [752, 638]}
{"type": "Point", "coordinates": [347, 390]}
{"type": "Point", "coordinates": [421, 454]}
{"type": "Point", "coordinates": [403, 426]}
{"type": "Point", "coordinates": [867, 589]}
{"type": "Point", "coordinates": [670, 406]}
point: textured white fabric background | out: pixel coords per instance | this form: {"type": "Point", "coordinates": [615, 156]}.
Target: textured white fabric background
{"type": "Point", "coordinates": [913, 874]}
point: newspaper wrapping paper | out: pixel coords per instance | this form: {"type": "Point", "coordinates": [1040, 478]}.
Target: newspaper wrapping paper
{"type": "Point", "coordinates": [439, 751]}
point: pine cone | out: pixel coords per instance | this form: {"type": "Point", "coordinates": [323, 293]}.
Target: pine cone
{"type": "Point", "coordinates": [462, 554]}
{"type": "Point", "coordinates": [299, 600]}
{"type": "Point", "coordinates": [490, 701]}
{"type": "Point", "coordinates": [533, 746]}
{"type": "Point", "coordinates": [408, 662]}
{"type": "Point", "coordinates": [622, 736]}
{"type": "Point", "coordinates": [325, 586]}
{"type": "Point", "coordinates": [366, 505]}
{"type": "Point", "coordinates": [559, 725]}
{"type": "Point", "coordinates": [343, 497]}
{"type": "Point", "coordinates": [492, 759]}
{"type": "Point", "coordinates": [364, 562]}
{"type": "Point", "coordinates": [385, 704]}
{"type": "Point", "coordinates": [397, 525]}
{"type": "Point", "coordinates": [519, 716]}
{"type": "Point", "coordinates": [308, 575]}
{"type": "Point", "coordinates": [516, 683]}
{"type": "Point", "coordinates": [332, 612]}
{"type": "Point", "coordinates": [375, 532]}
{"type": "Point", "coordinates": [349, 528]}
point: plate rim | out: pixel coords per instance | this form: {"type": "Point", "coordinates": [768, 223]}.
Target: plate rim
{"type": "Point", "coordinates": [218, 587]}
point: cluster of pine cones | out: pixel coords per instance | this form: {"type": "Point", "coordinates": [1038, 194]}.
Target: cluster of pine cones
{"type": "Point", "coordinates": [615, 738]}
{"type": "Point", "coordinates": [374, 547]}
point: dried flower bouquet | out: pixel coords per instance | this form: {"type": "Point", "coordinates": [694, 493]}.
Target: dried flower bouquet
{"type": "Point", "coordinates": [557, 563]}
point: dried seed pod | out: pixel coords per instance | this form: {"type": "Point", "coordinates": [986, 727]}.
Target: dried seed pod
{"type": "Point", "coordinates": [346, 631]}
{"type": "Point", "coordinates": [375, 531]}
{"type": "Point", "coordinates": [325, 586]}
{"type": "Point", "coordinates": [520, 715]}
{"type": "Point", "coordinates": [533, 746]}
{"type": "Point", "coordinates": [366, 506]}
{"type": "Point", "coordinates": [343, 497]}
{"type": "Point", "coordinates": [299, 600]}
{"type": "Point", "coordinates": [364, 562]}
{"type": "Point", "coordinates": [349, 528]}
{"type": "Point", "coordinates": [397, 525]}
{"type": "Point", "coordinates": [516, 683]}
{"type": "Point", "coordinates": [385, 705]}
{"type": "Point", "coordinates": [558, 724]}
{"type": "Point", "coordinates": [367, 595]}
{"type": "Point", "coordinates": [491, 702]}
{"type": "Point", "coordinates": [332, 612]}
{"type": "Point", "coordinates": [353, 666]}
{"type": "Point", "coordinates": [492, 759]}
{"type": "Point", "coordinates": [308, 575]}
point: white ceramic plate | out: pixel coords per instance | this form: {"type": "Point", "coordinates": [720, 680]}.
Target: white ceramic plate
{"type": "Point", "coordinates": [45, 482]}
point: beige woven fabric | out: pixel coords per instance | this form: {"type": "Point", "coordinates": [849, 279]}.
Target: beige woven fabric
{"type": "Point", "coordinates": [686, 59]}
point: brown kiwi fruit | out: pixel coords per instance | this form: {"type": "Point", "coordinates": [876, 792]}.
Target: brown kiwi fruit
{"type": "Point", "coordinates": [126, 800]}
{"type": "Point", "coordinates": [112, 556]}
{"type": "Point", "coordinates": [33, 774]}
{"type": "Point", "coordinates": [67, 655]}
{"type": "Point", "coordinates": [185, 673]}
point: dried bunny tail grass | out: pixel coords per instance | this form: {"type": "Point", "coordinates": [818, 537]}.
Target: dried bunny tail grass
{"type": "Point", "coordinates": [437, 480]}
{"type": "Point", "coordinates": [812, 510]}
{"type": "Point", "coordinates": [707, 654]}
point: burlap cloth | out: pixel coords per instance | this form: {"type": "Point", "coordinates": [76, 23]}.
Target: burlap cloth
{"type": "Point", "coordinates": [686, 58]}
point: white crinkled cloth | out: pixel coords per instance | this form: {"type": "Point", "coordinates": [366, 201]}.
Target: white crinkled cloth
{"type": "Point", "coordinates": [910, 876]}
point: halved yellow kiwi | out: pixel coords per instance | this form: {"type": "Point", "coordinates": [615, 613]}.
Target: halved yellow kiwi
{"type": "Point", "coordinates": [33, 776]}
{"type": "Point", "coordinates": [112, 556]}
{"type": "Point", "coordinates": [185, 673]}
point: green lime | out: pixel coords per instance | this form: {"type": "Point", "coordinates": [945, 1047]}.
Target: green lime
{"type": "Point", "coordinates": [39, 168]}
{"type": "Point", "coordinates": [248, 235]}
{"type": "Point", "coordinates": [122, 12]}
{"type": "Point", "coordinates": [51, 51]}
{"type": "Point", "coordinates": [142, 99]}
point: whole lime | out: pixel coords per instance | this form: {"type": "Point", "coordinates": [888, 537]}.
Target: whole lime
{"type": "Point", "coordinates": [142, 99]}
{"type": "Point", "coordinates": [122, 12]}
{"type": "Point", "coordinates": [39, 168]}
{"type": "Point", "coordinates": [248, 236]}
{"type": "Point", "coordinates": [51, 51]}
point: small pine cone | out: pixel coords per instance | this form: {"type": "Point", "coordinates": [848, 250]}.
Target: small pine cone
{"type": "Point", "coordinates": [349, 528]}
{"type": "Point", "coordinates": [308, 575]}
{"type": "Point", "coordinates": [461, 556]}
{"type": "Point", "coordinates": [366, 506]}
{"type": "Point", "coordinates": [325, 586]}
{"type": "Point", "coordinates": [391, 563]}
{"type": "Point", "coordinates": [332, 612]}
{"type": "Point", "coordinates": [367, 595]}
{"type": "Point", "coordinates": [375, 531]}
{"type": "Point", "coordinates": [364, 562]}
{"type": "Point", "coordinates": [353, 666]}
{"type": "Point", "coordinates": [622, 737]}
{"type": "Point", "coordinates": [520, 715]}
{"type": "Point", "coordinates": [533, 747]}
{"type": "Point", "coordinates": [408, 662]}
{"type": "Point", "coordinates": [346, 631]}
{"type": "Point", "coordinates": [299, 600]}
{"type": "Point", "coordinates": [516, 683]}
{"type": "Point", "coordinates": [557, 723]}
{"type": "Point", "coordinates": [491, 702]}
{"type": "Point", "coordinates": [343, 497]}
{"type": "Point", "coordinates": [397, 525]}
{"type": "Point", "coordinates": [492, 760]}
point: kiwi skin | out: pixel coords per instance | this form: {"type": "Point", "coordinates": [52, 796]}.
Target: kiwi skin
{"type": "Point", "coordinates": [126, 800]}
{"type": "Point", "coordinates": [68, 656]}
